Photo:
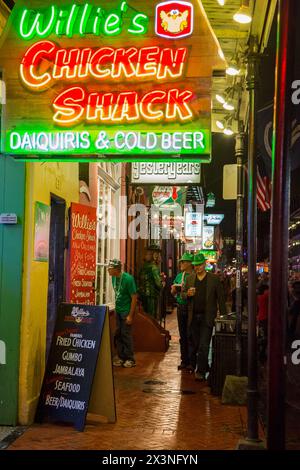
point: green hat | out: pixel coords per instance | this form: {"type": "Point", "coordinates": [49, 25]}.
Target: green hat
{"type": "Point", "coordinates": [153, 247]}
{"type": "Point", "coordinates": [199, 258]}
{"type": "Point", "coordinates": [187, 257]}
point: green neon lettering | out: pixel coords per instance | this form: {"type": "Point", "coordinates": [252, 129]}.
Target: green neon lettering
{"type": "Point", "coordinates": [80, 19]}
{"type": "Point", "coordinates": [139, 24]}
{"type": "Point", "coordinates": [71, 20]}
{"type": "Point", "coordinates": [112, 24]}
{"type": "Point", "coordinates": [124, 7]}
{"type": "Point", "coordinates": [60, 25]}
{"type": "Point", "coordinates": [85, 17]}
{"type": "Point", "coordinates": [36, 24]}
{"type": "Point", "coordinates": [97, 21]}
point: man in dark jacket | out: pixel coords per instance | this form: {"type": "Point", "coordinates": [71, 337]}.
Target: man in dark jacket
{"type": "Point", "coordinates": [205, 295]}
{"type": "Point", "coordinates": [150, 283]}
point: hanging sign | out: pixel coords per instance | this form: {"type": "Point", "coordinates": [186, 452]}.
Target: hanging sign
{"type": "Point", "coordinates": [164, 196]}
{"type": "Point", "coordinates": [211, 200]}
{"type": "Point", "coordinates": [213, 219]}
{"type": "Point", "coordinates": [165, 173]}
{"type": "Point", "coordinates": [82, 254]}
{"type": "Point", "coordinates": [208, 237]}
{"type": "Point", "coordinates": [97, 80]}
{"type": "Point", "coordinates": [193, 224]}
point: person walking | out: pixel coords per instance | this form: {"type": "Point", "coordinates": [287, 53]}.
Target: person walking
{"type": "Point", "coordinates": [204, 293]}
{"type": "Point", "coordinates": [150, 283]}
{"type": "Point", "coordinates": [186, 268]}
{"type": "Point", "coordinates": [125, 300]}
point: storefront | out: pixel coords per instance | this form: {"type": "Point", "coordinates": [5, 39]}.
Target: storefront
{"type": "Point", "coordinates": [85, 83]}
{"type": "Point", "coordinates": [50, 189]}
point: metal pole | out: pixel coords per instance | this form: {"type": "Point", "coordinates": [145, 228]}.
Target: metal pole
{"type": "Point", "coordinates": [239, 152]}
{"type": "Point", "coordinates": [252, 391]}
{"type": "Point", "coordinates": [279, 229]}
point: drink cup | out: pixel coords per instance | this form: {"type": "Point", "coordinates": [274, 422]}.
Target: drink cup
{"type": "Point", "coordinates": [193, 290]}
{"type": "Point", "coordinates": [178, 288]}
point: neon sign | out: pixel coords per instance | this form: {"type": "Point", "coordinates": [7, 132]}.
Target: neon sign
{"type": "Point", "coordinates": [113, 141]}
{"type": "Point", "coordinates": [95, 82]}
{"type": "Point", "coordinates": [80, 20]}
{"type": "Point", "coordinates": [101, 64]}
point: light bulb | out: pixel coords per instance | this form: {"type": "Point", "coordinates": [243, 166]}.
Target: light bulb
{"type": "Point", "coordinates": [243, 15]}
{"type": "Point", "coordinates": [220, 124]}
{"type": "Point", "coordinates": [228, 106]}
{"type": "Point", "coordinates": [232, 70]}
{"type": "Point", "coordinates": [220, 99]}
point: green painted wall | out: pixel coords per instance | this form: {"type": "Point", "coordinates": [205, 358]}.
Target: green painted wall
{"type": "Point", "coordinates": [12, 191]}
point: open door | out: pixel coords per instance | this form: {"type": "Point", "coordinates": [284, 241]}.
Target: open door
{"type": "Point", "coordinates": [56, 264]}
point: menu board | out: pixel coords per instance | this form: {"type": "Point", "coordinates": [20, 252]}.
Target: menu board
{"type": "Point", "coordinates": [71, 364]}
{"type": "Point", "coordinates": [82, 255]}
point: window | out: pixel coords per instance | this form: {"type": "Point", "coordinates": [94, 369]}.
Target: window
{"type": "Point", "coordinates": [109, 177]}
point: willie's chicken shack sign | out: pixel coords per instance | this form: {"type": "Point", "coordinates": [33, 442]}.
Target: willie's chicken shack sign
{"type": "Point", "coordinates": [124, 81]}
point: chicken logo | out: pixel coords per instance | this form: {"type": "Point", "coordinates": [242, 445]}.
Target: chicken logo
{"type": "Point", "coordinates": [174, 19]}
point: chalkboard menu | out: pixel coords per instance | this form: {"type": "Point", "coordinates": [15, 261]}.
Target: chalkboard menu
{"type": "Point", "coordinates": [71, 364]}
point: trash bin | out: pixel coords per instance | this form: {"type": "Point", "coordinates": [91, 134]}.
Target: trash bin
{"type": "Point", "coordinates": [224, 353]}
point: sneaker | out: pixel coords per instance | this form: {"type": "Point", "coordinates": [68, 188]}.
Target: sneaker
{"type": "Point", "coordinates": [129, 363]}
{"type": "Point", "coordinates": [117, 362]}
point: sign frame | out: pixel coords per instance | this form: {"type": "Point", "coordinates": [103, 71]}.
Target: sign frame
{"type": "Point", "coordinates": [196, 217]}
{"type": "Point", "coordinates": [170, 106]}
{"type": "Point", "coordinates": [206, 234]}
{"type": "Point", "coordinates": [72, 322]}
{"type": "Point", "coordinates": [190, 179]}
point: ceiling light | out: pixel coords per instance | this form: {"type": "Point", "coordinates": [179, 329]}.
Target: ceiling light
{"type": "Point", "coordinates": [228, 126]}
{"type": "Point", "coordinates": [220, 124]}
{"type": "Point", "coordinates": [220, 99]}
{"type": "Point", "coordinates": [228, 105]}
{"type": "Point", "coordinates": [243, 15]}
{"type": "Point", "coordinates": [221, 2]}
{"type": "Point", "coordinates": [232, 70]}
{"type": "Point", "coordinates": [228, 131]}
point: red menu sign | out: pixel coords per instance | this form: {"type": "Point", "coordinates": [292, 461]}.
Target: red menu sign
{"type": "Point", "coordinates": [82, 257]}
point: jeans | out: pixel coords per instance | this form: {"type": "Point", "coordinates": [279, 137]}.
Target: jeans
{"type": "Point", "coordinates": [123, 339]}
{"type": "Point", "coordinates": [182, 318]}
{"type": "Point", "coordinates": [199, 338]}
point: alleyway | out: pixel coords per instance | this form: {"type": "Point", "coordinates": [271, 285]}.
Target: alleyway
{"type": "Point", "coordinates": [158, 407]}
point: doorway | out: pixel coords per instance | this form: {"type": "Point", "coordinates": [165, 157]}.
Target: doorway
{"type": "Point", "coordinates": [56, 264]}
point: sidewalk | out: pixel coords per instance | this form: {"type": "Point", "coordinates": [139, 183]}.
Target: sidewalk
{"type": "Point", "coordinates": [158, 407]}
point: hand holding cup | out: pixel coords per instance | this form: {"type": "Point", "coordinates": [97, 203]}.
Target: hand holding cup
{"type": "Point", "coordinates": [191, 292]}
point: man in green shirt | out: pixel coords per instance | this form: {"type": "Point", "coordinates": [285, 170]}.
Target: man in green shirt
{"type": "Point", "coordinates": [125, 299]}
{"type": "Point", "coordinates": [182, 311]}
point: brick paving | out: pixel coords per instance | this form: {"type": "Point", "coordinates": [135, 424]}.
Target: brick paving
{"type": "Point", "coordinates": [171, 411]}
